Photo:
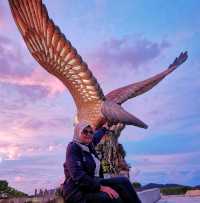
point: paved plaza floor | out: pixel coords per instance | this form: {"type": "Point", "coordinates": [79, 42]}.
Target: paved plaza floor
{"type": "Point", "coordinates": [179, 199]}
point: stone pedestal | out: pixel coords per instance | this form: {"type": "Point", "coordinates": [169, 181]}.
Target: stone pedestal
{"type": "Point", "coordinates": [150, 196]}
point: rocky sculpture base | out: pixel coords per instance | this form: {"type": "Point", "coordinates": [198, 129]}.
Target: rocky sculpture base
{"type": "Point", "coordinates": [112, 153]}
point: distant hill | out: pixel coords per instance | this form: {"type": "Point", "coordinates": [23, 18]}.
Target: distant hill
{"type": "Point", "coordinates": [197, 187]}
{"type": "Point", "coordinates": [156, 185]}
{"type": "Point", "coordinates": [169, 189]}
{"type": "Point", "coordinates": [7, 191]}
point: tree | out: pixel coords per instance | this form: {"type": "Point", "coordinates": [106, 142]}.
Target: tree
{"type": "Point", "coordinates": [136, 185]}
{"type": "Point", "coordinates": [3, 185]}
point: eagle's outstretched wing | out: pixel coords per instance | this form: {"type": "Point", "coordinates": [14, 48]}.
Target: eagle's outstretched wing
{"type": "Point", "coordinates": [122, 94]}
{"type": "Point", "coordinates": [54, 52]}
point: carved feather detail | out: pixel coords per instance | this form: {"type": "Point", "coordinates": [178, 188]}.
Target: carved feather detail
{"type": "Point", "coordinates": [55, 53]}
{"type": "Point", "coordinates": [122, 94]}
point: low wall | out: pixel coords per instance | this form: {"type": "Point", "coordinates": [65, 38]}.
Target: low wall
{"type": "Point", "coordinates": [33, 200]}
{"type": "Point", "coordinates": [150, 196]}
{"type": "Point", "coordinates": [147, 196]}
{"type": "Point", "coordinates": [191, 193]}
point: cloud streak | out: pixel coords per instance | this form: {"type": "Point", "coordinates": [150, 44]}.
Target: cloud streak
{"type": "Point", "coordinates": [47, 167]}
{"type": "Point", "coordinates": [129, 52]}
{"type": "Point", "coordinates": [29, 80]}
{"type": "Point", "coordinates": [2, 15]}
{"type": "Point", "coordinates": [177, 168]}
{"type": "Point", "coordinates": [18, 151]}
{"type": "Point", "coordinates": [34, 129]}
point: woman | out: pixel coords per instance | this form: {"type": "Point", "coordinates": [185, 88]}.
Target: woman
{"type": "Point", "coordinates": [82, 168]}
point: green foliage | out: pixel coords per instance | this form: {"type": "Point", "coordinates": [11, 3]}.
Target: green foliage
{"type": "Point", "coordinates": [136, 185]}
{"type": "Point", "coordinates": [174, 190]}
{"type": "Point", "coordinates": [9, 191]}
{"type": "Point", "coordinates": [3, 185]}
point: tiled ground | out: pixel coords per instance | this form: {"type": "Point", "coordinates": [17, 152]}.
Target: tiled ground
{"type": "Point", "coordinates": [179, 199]}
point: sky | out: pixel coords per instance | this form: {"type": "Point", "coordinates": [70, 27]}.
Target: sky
{"type": "Point", "coordinates": [122, 43]}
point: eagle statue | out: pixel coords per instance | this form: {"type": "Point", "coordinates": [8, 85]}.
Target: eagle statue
{"type": "Point", "coordinates": [48, 45]}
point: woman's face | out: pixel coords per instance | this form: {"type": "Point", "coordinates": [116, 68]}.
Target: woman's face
{"type": "Point", "coordinates": [87, 135]}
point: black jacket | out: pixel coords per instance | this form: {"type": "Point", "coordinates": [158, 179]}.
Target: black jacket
{"type": "Point", "coordinates": [79, 168]}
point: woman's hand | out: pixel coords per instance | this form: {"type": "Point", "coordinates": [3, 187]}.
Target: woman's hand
{"type": "Point", "coordinates": [112, 193]}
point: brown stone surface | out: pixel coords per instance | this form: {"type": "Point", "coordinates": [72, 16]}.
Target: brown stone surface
{"type": "Point", "coordinates": [55, 53]}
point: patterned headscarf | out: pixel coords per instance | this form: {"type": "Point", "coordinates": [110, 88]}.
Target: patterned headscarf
{"type": "Point", "coordinates": [77, 132]}
{"type": "Point", "coordinates": [78, 129]}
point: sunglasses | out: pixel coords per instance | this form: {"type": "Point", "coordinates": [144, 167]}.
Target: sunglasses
{"type": "Point", "coordinates": [87, 132]}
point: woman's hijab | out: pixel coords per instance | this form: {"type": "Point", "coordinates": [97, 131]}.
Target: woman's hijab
{"type": "Point", "coordinates": [77, 133]}
{"type": "Point", "coordinates": [78, 130]}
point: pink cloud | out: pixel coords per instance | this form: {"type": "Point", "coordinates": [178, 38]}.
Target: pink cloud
{"type": "Point", "coordinates": [117, 57]}
{"type": "Point", "coordinates": [50, 123]}
{"type": "Point", "coordinates": [10, 152]}
{"type": "Point", "coordinates": [42, 78]}
{"type": "Point", "coordinates": [31, 124]}
{"type": "Point", "coordinates": [48, 168]}
{"type": "Point", "coordinates": [19, 179]}
{"type": "Point", "coordinates": [11, 59]}
{"type": "Point", "coordinates": [6, 24]}
{"type": "Point", "coordinates": [129, 51]}
{"type": "Point", "coordinates": [55, 147]}
{"type": "Point", "coordinates": [164, 163]}
{"type": "Point", "coordinates": [18, 151]}
{"type": "Point", "coordinates": [2, 15]}
{"type": "Point", "coordinates": [29, 80]}
{"type": "Point", "coordinates": [34, 86]}
{"type": "Point", "coordinates": [1, 22]}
